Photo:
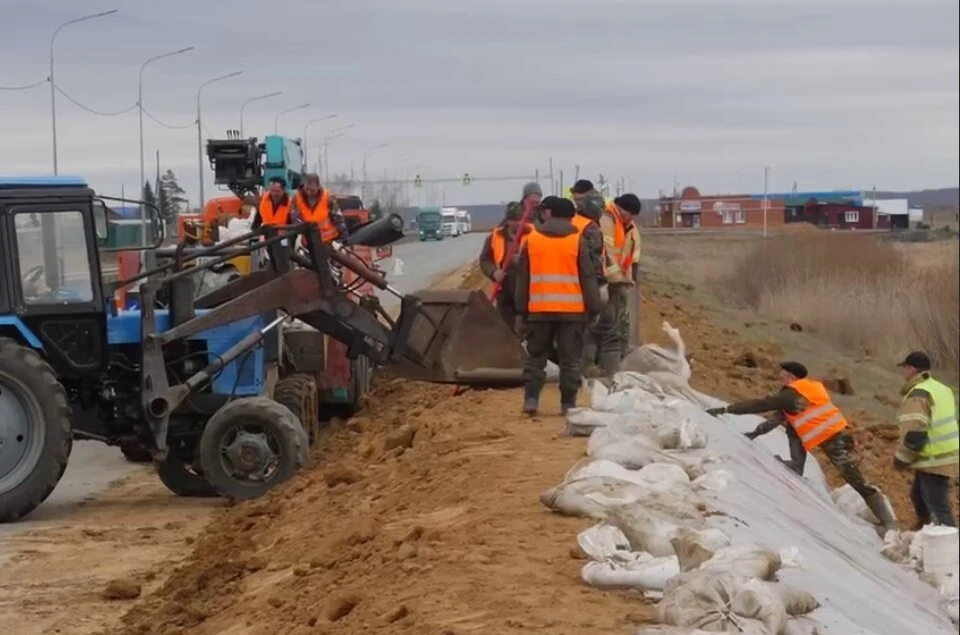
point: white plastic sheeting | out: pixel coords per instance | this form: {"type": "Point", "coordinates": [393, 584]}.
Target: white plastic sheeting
{"type": "Point", "coordinates": [760, 500]}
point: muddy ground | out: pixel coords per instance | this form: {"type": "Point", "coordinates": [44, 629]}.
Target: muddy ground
{"type": "Point", "coordinates": [420, 516]}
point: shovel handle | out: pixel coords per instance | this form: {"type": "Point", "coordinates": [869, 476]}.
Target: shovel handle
{"type": "Point", "coordinates": [512, 250]}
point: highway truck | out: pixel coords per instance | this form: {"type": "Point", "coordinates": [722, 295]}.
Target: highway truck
{"type": "Point", "coordinates": [430, 224]}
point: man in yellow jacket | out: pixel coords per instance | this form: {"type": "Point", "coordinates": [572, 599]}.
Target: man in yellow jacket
{"type": "Point", "coordinates": [929, 441]}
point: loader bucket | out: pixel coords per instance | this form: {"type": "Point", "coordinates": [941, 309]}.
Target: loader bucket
{"type": "Point", "coordinates": [456, 337]}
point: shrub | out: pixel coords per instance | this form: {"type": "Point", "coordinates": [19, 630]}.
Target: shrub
{"type": "Point", "coordinates": [860, 293]}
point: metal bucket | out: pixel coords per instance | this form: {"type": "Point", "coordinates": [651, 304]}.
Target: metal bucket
{"type": "Point", "coordinates": [456, 337]}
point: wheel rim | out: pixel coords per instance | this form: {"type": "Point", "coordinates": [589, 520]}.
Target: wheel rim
{"type": "Point", "coordinates": [249, 453]}
{"type": "Point", "coordinates": [21, 442]}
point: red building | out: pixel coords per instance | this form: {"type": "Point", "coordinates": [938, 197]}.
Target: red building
{"type": "Point", "coordinates": [843, 216]}
{"type": "Point", "coordinates": [718, 211]}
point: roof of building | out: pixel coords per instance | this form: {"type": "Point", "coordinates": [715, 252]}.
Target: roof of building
{"type": "Point", "coordinates": [10, 182]}
{"type": "Point", "coordinates": [790, 199]}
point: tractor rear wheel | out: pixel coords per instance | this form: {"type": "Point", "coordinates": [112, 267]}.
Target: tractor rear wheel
{"type": "Point", "coordinates": [136, 453]}
{"type": "Point", "coordinates": [298, 392]}
{"type": "Point", "coordinates": [35, 436]}
{"type": "Point", "coordinates": [251, 445]}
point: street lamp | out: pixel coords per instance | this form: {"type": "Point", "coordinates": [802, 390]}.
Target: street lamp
{"type": "Point", "coordinates": [306, 128]}
{"type": "Point", "coordinates": [200, 126]}
{"type": "Point", "coordinates": [143, 177]}
{"type": "Point", "coordinates": [252, 99]}
{"type": "Point", "coordinates": [335, 133]}
{"type": "Point", "coordinates": [53, 86]}
{"type": "Point", "coordinates": [276, 120]}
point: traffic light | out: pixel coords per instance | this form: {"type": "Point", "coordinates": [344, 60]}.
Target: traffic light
{"type": "Point", "coordinates": [466, 178]}
{"type": "Point", "coordinates": [417, 181]}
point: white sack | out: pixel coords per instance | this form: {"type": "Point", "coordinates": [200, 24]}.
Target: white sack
{"type": "Point", "coordinates": [647, 529]}
{"type": "Point", "coordinates": [637, 452]}
{"type": "Point", "coordinates": [622, 428]}
{"type": "Point", "coordinates": [685, 435]}
{"type": "Point", "coordinates": [744, 561]}
{"type": "Point", "coordinates": [552, 372]}
{"type": "Point", "coordinates": [796, 601]}
{"type": "Point", "coordinates": [680, 630]}
{"type": "Point", "coordinates": [853, 505]}
{"type": "Point", "coordinates": [714, 481]}
{"type": "Point", "coordinates": [757, 600]}
{"type": "Point", "coordinates": [651, 575]}
{"type": "Point", "coordinates": [695, 547]}
{"type": "Point", "coordinates": [581, 422]}
{"type": "Point", "coordinates": [710, 601]}
{"type": "Point", "coordinates": [591, 497]}
{"type": "Point", "coordinates": [603, 542]}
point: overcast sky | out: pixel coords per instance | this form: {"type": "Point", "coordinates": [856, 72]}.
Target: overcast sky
{"type": "Point", "coordinates": [829, 93]}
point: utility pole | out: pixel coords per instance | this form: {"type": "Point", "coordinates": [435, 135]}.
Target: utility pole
{"type": "Point", "coordinates": [553, 184]}
{"type": "Point", "coordinates": [876, 210]}
{"type": "Point", "coordinates": [766, 180]}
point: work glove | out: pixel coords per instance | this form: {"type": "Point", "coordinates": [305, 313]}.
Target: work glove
{"type": "Point", "coordinates": [604, 294]}
{"type": "Point", "coordinates": [715, 412]}
{"type": "Point", "coordinates": [499, 275]}
{"type": "Point", "coordinates": [751, 435]}
{"type": "Point", "coordinates": [899, 464]}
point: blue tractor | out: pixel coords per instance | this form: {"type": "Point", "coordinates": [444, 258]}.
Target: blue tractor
{"type": "Point", "coordinates": [215, 388]}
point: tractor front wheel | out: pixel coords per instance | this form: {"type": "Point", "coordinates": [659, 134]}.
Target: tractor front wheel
{"type": "Point", "coordinates": [298, 392]}
{"type": "Point", "coordinates": [35, 436]}
{"type": "Point", "coordinates": [251, 445]}
{"type": "Point", "coordinates": [180, 472]}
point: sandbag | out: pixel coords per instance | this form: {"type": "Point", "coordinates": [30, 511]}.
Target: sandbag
{"type": "Point", "coordinates": [795, 600]}
{"type": "Point", "coordinates": [581, 422]}
{"type": "Point", "coordinates": [852, 504]}
{"type": "Point", "coordinates": [694, 547]}
{"type": "Point", "coordinates": [680, 630]}
{"type": "Point", "coordinates": [714, 481]}
{"type": "Point", "coordinates": [620, 429]}
{"type": "Point", "coordinates": [637, 452]}
{"type": "Point", "coordinates": [603, 542]}
{"type": "Point", "coordinates": [743, 561]}
{"type": "Point", "coordinates": [651, 575]}
{"type": "Point", "coordinates": [710, 600]}
{"type": "Point", "coordinates": [757, 600]}
{"type": "Point", "coordinates": [685, 435]}
{"type": "Point", "coordinates": [591, 497]}
{"type": "Point", "coordinates": [647, 529]}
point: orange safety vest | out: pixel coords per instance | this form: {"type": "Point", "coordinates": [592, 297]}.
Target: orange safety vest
{"type": "Point", "coordinates": [581, 222]}
{"type": "Point", "coordinates": [821, 420]}
{"type": "Point", "coordinates": [498, 242]}
{"type": "Point", "coordinates": [320, 214]}
{"type": "Point", "coordinates": [270, 215]}
{"type": "Point", "coordinates": [619, 238]}
{"type": "Point", "coordinates": [554, 273]}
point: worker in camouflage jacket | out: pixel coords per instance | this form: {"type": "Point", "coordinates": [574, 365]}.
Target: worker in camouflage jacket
{"type": "Point", "coordinates": [804, 409]}
{"type": "Point", "coordinates": [590, 205]}
{"type": "Point", "coordinates": [929, 443]}
{"type": "Point", "coordinates": [494, 266]}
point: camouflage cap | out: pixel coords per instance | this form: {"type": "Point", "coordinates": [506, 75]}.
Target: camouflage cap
{"type": "Point", "coordinates": [514, 211]}
{"type": "Point", "coordinates": [592, 206]}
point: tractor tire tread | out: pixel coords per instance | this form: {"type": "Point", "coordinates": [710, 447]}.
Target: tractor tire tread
{"type": "Point", "coordinates": [28, 362]}
{"type": "Point", "coordinates": [265, 410]}
{"type": "Point", "coordinates": [298, 392]}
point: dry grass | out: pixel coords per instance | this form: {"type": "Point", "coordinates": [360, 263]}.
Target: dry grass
{"type": "Point", "coordinates": [878, 298]}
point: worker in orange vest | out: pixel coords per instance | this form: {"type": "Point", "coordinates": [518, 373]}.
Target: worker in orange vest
{"type": "Point", "coordinates": [493, 264]}
{"type": "Point", "coordinates": [312, 203]}
{"type": "Point", "coordinates": [274, 207]}
{"type": "Point", "coordinates": [615, 222]}
{"type": "Point", "coordinates": [803, 407]}
{"type": "Point", "coordinates": [557, 292]}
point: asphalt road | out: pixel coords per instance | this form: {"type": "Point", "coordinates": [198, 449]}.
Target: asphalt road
{"type": "Point", "coordinates": [93, 466]}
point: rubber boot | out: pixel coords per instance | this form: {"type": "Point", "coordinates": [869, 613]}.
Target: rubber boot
{"type": "Point", "coordinates": [882, 511]}
{"type": "Point", "coordinates": [531, 401]}
{"type": "Point", "coordinates": [609, 363]}
{"type": "Point", "coordinates": [568, 400]}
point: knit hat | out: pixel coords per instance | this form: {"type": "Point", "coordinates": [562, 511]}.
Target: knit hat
{"type": "Point", "coordinates": [628, 203]}
{"type": "Point", "coordinates": [514, 211]}
{"type": "Point", "coordinates": [582, 187]}
{"type": "Point", "coordinates": [592, 206]}
{"type": "Point", "coordinates": [796, 369]}
{"type": "Point", "coordinates": [918, 360]}
{"type": "Point", "coordinates": [530, 189]}
{"type": "Point", "coordinates": [559, 207]}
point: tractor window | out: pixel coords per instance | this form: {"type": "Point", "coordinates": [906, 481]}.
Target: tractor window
{"type": "Point", "coordinates": [53, 257]}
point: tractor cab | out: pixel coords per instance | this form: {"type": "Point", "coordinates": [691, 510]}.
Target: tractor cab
{"type": "Point", "coordinates": [53, 231]}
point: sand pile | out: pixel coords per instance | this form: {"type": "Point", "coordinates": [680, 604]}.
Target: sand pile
{"type": "Point", "coordinates": [421, 516]}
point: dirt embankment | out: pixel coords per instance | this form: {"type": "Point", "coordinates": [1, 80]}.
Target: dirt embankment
{"type": "Point", "coordinates": [421, 516]}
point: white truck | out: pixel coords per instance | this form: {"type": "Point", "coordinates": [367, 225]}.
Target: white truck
{"type": "Point", "coordinates": [463, 221]}
{"type": "Point", "coordinates": [448, 222]}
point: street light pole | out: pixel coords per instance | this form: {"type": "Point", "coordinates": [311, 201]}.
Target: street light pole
{"type": "Point", "coordinates": [276, 120]}
{"type": "Point", "coordinates": [143, 217]}
{"type": "Point", "coordinates": [336, 133]}
{"type": "Point", "coordinates": [200, 127]}
{"type": "Point", "coordinates": [53, 86]}
{"type": "Point", "coordinates": [252, 99]}
{"type": "Point", "coordinates": [306, 128]}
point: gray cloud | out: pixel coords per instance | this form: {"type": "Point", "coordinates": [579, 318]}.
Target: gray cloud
{"type": "Point", "coordinates": [830, 94]}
